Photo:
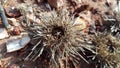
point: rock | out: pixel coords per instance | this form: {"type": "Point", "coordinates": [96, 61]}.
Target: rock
{"type": "Point", "coordinates": [12, 12]}
{"type": "Point", "coordinates": [56, 3]}
{"type": "Point", "coordinates": [3, 33]}
{"type": "Point", "coordinates": [4, 62]}
{"type": "Point", "coordinates": [13, 66]}
{"type": "Point", "coordinates": [17, 44]}
{"type": "Point", "coordinates": [24, 1]}
{"type": "Point", "coordinates": [16, 31]}
{"type": "Point", "coordinates": [13, 22]}
{"type": "Point", "coordinates": [39, 1]}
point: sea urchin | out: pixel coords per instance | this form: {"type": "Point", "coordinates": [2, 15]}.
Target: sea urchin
{"type": "Point", "coordinates": [59, 36]}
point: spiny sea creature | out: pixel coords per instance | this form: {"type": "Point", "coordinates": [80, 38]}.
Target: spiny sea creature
{"type": "Point", "coordinates": [59, 36]}
{"type": "Point", "coordinates": [107, 51]}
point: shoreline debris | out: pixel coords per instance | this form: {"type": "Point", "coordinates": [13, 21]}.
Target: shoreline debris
{"type": "Point", "coordinates": [17, 44]}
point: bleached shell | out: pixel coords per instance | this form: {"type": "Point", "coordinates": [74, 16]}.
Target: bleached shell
{"type": "Point", "coordinates": [16, 44]}
{"type": "Point", "coordinates": [3, 33]}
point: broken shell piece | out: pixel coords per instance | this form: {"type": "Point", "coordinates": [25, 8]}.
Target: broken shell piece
{"type": "Point", "coordinates": [80, 23]}
{"type": "Point", "coordinates": [3, 33]}
{"type": "Point", "coordinates": [16, 44]}
{"type": "Point", "coordinates": [56, 3]}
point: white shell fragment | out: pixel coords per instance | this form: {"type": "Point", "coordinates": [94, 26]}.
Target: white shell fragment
{"type": "Point", "coordinates": [16, 44]}
{"type": "Point", "coordinates": [3, 33]}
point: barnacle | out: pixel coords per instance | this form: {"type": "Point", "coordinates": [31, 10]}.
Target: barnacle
{"type": "Point", "coordinates": [107, 51]}
{"type": "Point", "coordinates": [59, 36]}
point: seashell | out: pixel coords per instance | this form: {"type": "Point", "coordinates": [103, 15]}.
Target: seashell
{"type": "Point", "coordinates": [3, 33]}
{"type": "Point", "coordinates": [17, 44]}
